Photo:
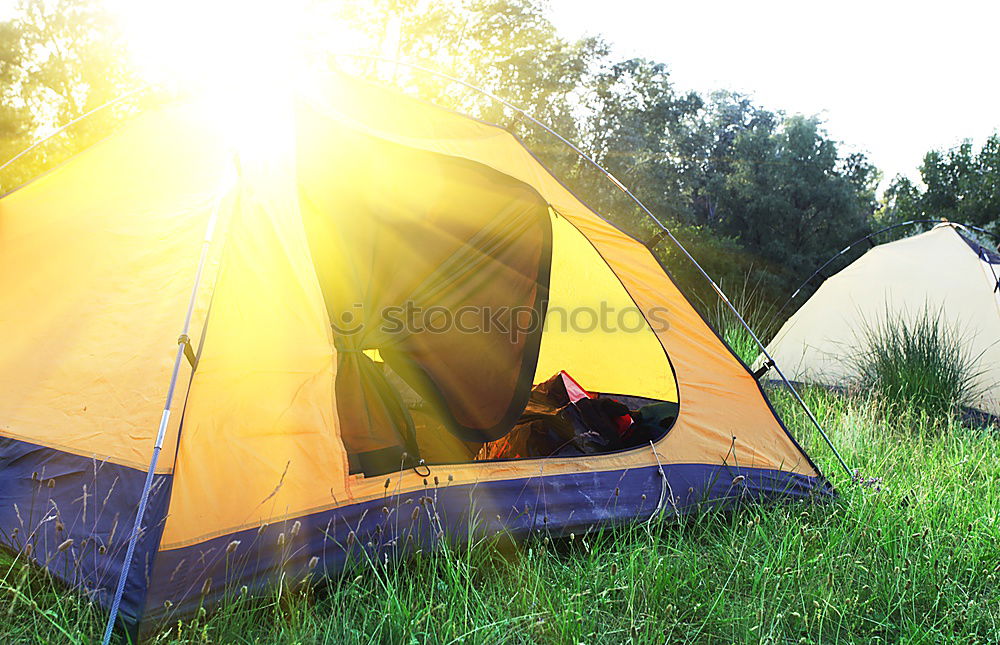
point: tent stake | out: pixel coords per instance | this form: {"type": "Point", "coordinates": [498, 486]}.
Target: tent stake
{"type": "Point", "coordinates": [182, 345]}
{"type": "Point", "coordinates": [614, 180]}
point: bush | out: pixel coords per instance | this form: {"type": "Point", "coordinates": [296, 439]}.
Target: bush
{"type": "Point", "coordinates": [916, 365]}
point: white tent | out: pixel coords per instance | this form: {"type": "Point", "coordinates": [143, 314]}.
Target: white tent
{"type": "Point", "coordinates": [942, 271]}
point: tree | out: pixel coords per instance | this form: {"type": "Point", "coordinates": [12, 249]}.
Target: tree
{"type": "Point", "coordinates": [728, 116]}
{"type": "Point", "coordinates": [960, 185]}
{"type": "Point", "coordinates": [508, 47]}
{"type": "Point", "coordinates": [59, 59]}
{"type": "Point", "coordinates": [787, 194]}
{"type": "Point", "coordinates": [726, 175]}
{"type": "Point", "coordinates": [638, 127]}
{"type": "Point", "coordinates": [16, 121]}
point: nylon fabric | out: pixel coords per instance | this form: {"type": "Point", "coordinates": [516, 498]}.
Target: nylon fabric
{"type": "Point", "coordinates": [261, 439]}
{"type": "Point", "coordinates": [97, 263]}
{"type": "Point", "coordinates": [94, 503]}
{"type": "Point", "coordinates": [369, 197]}
{"type": "Point", "coordinates": [562, 503]}
{"type": "Point", "coordinates": [719, 398]}
{"type": "Point", "coordinates": [423, 257]}
{"type": "Point", "coordinates": [594, 330]}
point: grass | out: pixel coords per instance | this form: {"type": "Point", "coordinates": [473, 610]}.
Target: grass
{"type": "Point", "coordinates": [919, 363]}
{"type": "Point", "coordinates": [909, 554]}
{"type": "Point", "coordinates": [741, 342]}
{"type": "Point", "coordinates": [747, 299]}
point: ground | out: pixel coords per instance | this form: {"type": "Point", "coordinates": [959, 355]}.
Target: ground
{"type": "Point", "coordinates": [910, 553]}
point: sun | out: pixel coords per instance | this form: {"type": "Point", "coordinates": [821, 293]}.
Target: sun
{"type": "Point", "coordinates": [244, 59]}
{"type": "Point", "coordinates": [220, 42]}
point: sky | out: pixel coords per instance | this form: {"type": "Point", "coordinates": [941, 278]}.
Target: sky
{"type": "Point", "coordinates": [890, 78]}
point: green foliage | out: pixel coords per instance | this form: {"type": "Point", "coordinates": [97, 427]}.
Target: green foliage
{"type": "Point", "coordinates": [788, 197]}
{"type": "Point", "coordinates": [722, 171]}
{"type": "Point", "coordinates": [59, 59]}
{"type": "Point", "coordinates": [960, 185]}
{"type": "Point", "coordinates": [908, 555]}
{"type": "Point", "coordinates": [917, 364]}
{"type": "Point", "coordinates": [635, 126]}
{"type": "Point", "coordinates": [508, 47]}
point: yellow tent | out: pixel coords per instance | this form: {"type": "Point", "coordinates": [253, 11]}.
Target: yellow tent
{"type": "Point", "coordinates": [312, 418]}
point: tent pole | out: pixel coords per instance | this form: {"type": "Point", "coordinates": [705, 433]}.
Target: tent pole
{"type": "Point", "coordinates": [614, 180]}
{"type": "Point", "coordinates": [763, 350]}
{"type": "Point", "coordinates": [183, 342]}
{"type": "Point", "coordinates": [68, 124]}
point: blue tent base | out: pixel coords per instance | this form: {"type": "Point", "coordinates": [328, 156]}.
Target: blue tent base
{"type": "Point", "coordinates": [76, 513]}
{"type": "Point", "coordinates": [978, 419]}
{"type": "Point", "coordinates": [50, 496]}
{"type": "Point", "coordinates": [395, 526]}
{"type": "Point", "coordinates": [970, 417]}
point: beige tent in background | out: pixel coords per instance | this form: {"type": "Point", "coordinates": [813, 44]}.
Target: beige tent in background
{"type": "Point", "coordinates": [943, 270]}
